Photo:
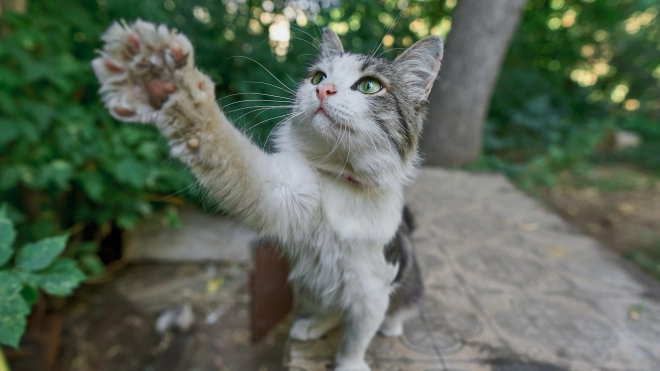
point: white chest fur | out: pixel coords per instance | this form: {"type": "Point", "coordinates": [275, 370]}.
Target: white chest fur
{"type": "Point", "coordinates": [344, 258]}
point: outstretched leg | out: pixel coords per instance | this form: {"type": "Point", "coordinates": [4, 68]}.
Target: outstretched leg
{"type": "Point", "coordinates": [147, 74]}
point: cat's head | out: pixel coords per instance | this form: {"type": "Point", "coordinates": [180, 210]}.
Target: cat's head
{"type": "Point", "coordinates": [363, 115]}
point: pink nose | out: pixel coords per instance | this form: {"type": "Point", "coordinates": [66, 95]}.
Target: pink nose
{"type": "Point", "coordinates": [323, 90]}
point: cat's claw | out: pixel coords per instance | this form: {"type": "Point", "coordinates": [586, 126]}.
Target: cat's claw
{"type": "Point", "coordinates": [140, 66]}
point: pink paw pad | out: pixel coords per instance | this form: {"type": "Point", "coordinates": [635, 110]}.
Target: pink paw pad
{"type": "Point", "coordinates": [159, 91]}
{"type": "Point", "coordinates": [176, 52]}
{"type": "Point", "coordinates": [124, 112]}
{"type": "Point", "coordinates": [113, 67]}
{"type": "Point", "coordinates": [134, 40]}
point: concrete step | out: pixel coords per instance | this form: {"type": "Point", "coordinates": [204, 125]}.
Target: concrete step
{"type": "Point", "coordinates": [510, 286]}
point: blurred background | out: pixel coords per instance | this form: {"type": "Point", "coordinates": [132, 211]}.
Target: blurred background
{"type": "Point", "coordinates": [568, 107]}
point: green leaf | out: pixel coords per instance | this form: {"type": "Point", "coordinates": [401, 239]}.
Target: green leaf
{"type": "Point", "coordinates": [61, 278]}
{"type": "Point", "coordinates": [38, 255]}
{"type": "Point", "coordinates": [28, 278]}
{"type": "Point", "coordinates": [92, 184]}
{"type": "Point", "coordinates": [9, 177]}
{"type": "Point", "coordinates": [7, 237]}
{"type": "Point", "coordinates": [131, 172]}
{"type": "Point", "coordinates": [87, 247]}
{"type": "Point", "coordinates": [92, 265]}
{"type": "Point", "coordinates": [30, 295]}
{"type": "Point", "coordinates": [61, 172]}
{"type": "Point", "coordinates": [13, 310]}
{"type": "Point", "coordinates": [127, 220]}
{"type": "Point", "coordinates": [9, 130]}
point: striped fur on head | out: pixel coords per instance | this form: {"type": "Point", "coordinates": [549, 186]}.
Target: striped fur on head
{"type": "Point", "coordinates": [371, 136]}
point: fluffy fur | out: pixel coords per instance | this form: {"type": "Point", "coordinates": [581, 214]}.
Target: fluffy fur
{"type": "Point", "coordinates": [332, 192]}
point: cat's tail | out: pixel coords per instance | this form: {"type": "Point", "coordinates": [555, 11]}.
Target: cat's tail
{"type": "Point", "coordinates": [409, 219]}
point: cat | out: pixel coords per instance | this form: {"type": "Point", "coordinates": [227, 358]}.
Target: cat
{"type": "Point", "coordinates": [332, 191]}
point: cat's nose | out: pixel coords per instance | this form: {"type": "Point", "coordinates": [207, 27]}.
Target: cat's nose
{"type": "Point", "coordinates": [323, 90]}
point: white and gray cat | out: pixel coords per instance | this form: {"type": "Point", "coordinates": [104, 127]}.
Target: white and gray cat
{"type": "Point", "coordinates": [332, 193]}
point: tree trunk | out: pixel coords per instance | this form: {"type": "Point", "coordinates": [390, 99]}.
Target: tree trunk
{"type": "Point", "coordinates": [17, 6]}
{"type": "Point", "coordinates": [476, 46]}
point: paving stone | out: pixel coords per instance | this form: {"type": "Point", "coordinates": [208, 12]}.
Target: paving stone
{"type": "Point", "coordinates": [200, 238]}
{"type": "Point", "coordinates": [511, 287]}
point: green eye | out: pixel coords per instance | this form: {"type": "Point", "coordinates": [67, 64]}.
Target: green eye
{"type": "Point", "coordinates": [369, 86]}
{"type": "Point", "coordinates": [318, 77]}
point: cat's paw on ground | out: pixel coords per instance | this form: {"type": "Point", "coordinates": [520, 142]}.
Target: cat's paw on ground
{"type": "Point", "coordinates": [391, 329]}
{"type": "Point", "coordinates": [140, 66]}
{"type": "Point", "coordinates": [353, 366]}
{"type": "Point", "coordinates": [305, 329]}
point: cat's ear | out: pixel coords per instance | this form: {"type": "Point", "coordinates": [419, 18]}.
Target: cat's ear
{"type": "Point", "coordinates": [420, 64]}
{"type": "Point", "coordinates": [331, 45]}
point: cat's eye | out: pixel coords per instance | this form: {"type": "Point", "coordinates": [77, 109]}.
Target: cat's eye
{"type": "Point", "coordinates": [318, 77]}
{"type": "Point", "coordinates": [369, 86]}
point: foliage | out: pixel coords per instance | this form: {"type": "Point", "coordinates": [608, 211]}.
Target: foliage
{"type": "Point", "coordinates": [64, 161]}
{"type": "Point", "coordinates": [26, 270]}
{"type": "Point", "coordinates": [576, 70]}
{"type": "Point", "coordinates": [648, 259]}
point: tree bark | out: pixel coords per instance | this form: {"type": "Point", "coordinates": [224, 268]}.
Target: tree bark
{"type": "Point", "coordinates": [459, 102]}
{"type": "Point", "coordinates": [17, 6]}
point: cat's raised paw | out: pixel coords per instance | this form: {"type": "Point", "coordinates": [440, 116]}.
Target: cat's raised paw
{"type": "Point", "coordinates": [140, 67]}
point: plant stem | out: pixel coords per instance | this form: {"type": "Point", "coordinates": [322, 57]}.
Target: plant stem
{"type": "Point", "coordinates": [3, 362]}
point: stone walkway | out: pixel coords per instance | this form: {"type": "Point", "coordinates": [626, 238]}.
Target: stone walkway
{"type": "Point", "coordinates": [511, 287]}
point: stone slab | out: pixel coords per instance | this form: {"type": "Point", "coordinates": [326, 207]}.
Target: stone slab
{"type": "Point", "coordinates": [201, 237]}
{"type": "Point", "coordinates": [511, 287]}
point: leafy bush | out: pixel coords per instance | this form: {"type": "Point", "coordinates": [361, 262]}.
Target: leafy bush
{"type": "Point", "coordinates": [575, 70]}
{"type": "Point", "coordinates": [64, 161]}
{"type": "Point", "coordinates": [26, 270]}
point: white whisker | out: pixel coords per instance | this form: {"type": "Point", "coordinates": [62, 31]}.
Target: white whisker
{"type": "Point", "coordinates": [307, 33]}
{"type": "Point", "coordinates": [269, 95]}
{"type": "Point", "coordinates": [274, 86]}
{"type": "Point", "coordinates": [257, 100]}
{"type": "Point", "coordinates": [348, 155]}
{"type": "Point", "coordinates": [266, 120]}
{"type": "Point", "coordinates": [387, 51]}
{"type": "Point", "coordinates": [301, 39]}
{"type": "Point", "coordinates": [396, 20]}
{"type": "Point", "coordinates": [250, 107]}
{"type": "Point", "coordinates": [266, 69]}
{"type": "Point", "coordinates": [280, 123]}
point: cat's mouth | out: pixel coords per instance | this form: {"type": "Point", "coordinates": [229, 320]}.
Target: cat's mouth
{"type": "Point", "coordinates": [335, 124]}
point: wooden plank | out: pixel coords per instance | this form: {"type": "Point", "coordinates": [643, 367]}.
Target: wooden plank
{"type": "Point", "coordinates": [271, 294]}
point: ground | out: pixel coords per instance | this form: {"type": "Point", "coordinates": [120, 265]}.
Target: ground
{"type": "Point", "coordinates": [618, 205]}
{"type": "Point", "coordinates": [512, 287]}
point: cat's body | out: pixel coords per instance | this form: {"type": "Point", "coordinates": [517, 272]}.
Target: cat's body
{"type": "Point", "coordinates": [332, 193]}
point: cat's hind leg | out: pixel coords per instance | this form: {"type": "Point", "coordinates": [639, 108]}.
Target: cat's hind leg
{"type": "Point", "coordinates": [392, 326]}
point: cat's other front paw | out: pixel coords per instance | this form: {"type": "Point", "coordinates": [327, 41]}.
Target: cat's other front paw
{"type": "Point", "coordinates": [137, 68]}
{"type": "Point", "coordinates": [352, 366]}
{"type": "Point", "coordinates": [306, 329]}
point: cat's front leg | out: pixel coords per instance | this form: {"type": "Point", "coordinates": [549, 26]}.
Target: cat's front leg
{"type": "Point", "coordinates": [361, 323]}
{"type": "Point", "coordinates": [147, 74]}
